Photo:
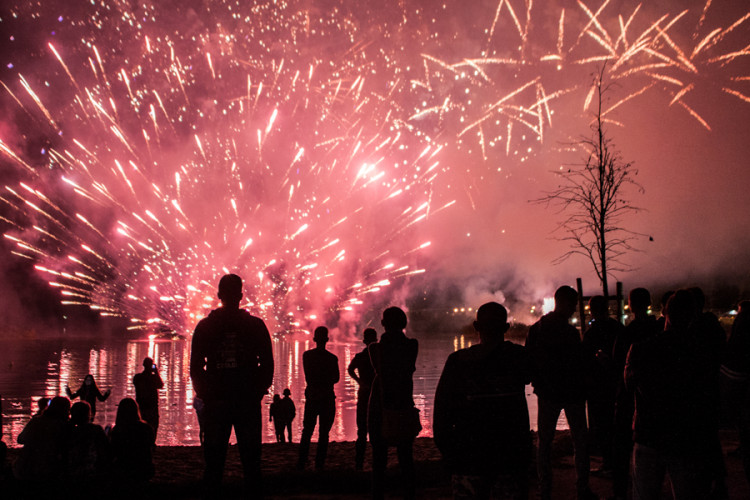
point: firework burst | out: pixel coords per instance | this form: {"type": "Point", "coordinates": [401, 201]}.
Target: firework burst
{"type": "Point", "coordinates": [223, 150]}
{"type": "Point", "coordinates": [300, 144]}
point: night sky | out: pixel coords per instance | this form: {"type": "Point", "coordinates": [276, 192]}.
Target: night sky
{"type": "Point", "coordinates": [342, 138]}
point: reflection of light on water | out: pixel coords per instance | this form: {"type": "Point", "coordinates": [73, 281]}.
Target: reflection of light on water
{"type": "Point", "coordinates": [151, 346]}
{"type": "Point", "coordinates": [56, 382]}
{"type": "Point", "coordinates": [179, 424]}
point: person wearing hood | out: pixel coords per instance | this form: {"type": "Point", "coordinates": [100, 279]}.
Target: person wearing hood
{"type": "Point", "coordinates": [231, 366]}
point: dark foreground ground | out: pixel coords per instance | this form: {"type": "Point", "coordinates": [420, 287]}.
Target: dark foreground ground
{"type": "Point", "coordinates": [179, 469]}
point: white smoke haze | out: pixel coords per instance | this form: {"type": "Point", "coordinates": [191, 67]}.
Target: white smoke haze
{"type": "Point", "coordinates": [491, 244]}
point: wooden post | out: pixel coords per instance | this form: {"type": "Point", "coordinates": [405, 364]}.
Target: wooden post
{"type": "Point", "coordinates": [581, 311]}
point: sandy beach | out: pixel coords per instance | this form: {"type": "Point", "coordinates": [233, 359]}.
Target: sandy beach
{"type": "Point", "coordinates": [179, 470]}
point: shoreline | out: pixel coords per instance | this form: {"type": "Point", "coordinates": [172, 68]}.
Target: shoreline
{"type": "Point", "coordinates": [179, 470]}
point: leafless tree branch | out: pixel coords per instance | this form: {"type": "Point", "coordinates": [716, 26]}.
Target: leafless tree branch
{"type": "Point", "coordinates": [591, 197]}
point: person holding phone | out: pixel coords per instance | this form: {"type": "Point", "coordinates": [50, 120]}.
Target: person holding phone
{"type": "Point", "coordinates": [147, 385]}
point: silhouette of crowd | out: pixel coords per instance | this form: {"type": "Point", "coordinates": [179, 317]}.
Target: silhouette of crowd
{"type": "Point", "coordinates": [647, 398]}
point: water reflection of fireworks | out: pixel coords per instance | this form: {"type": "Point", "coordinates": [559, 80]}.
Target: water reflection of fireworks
{"type": "Point", "coordinates": [297, 146]}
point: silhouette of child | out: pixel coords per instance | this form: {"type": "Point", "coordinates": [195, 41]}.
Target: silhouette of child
{"type": "Point", "coordinates": [275, 416]}
{"type": "Point", "coordinates": [289, 411]}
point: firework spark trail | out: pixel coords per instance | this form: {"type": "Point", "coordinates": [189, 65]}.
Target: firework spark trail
{"type": "Point", "coordinates": [637, 49]}
{"type": "Point", "coordinates": [302, 148]}
{"type": "Point", "coordinates": [186, 216]}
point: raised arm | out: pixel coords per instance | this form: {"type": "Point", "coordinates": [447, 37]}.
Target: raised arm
{"type": "Point", "coordinates": [103, 397]}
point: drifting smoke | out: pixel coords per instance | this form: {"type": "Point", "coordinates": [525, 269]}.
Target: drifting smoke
{"type": "Point", "coordinates": [329, 152]}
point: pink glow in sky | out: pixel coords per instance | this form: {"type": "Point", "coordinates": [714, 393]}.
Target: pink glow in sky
{"type": "Point", "coordinates": [339, 155]}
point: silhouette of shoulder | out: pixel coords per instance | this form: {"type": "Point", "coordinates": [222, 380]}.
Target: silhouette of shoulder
{"type": "Point", "coordinates": [231, 355]}
{"type": "Point", "coordinates": [481, 420]}
{"type": "Point", "coordinates": [497, 369]}
{"type": "Point", "coordinates": [224, 317]}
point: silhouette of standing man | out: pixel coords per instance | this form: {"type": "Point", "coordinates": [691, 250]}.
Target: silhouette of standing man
{"type": "Point", "coordinates": [231, 365]}
{"type": "Point", "coordinates": [672, 427]}
{"type": "Point", "coordinates": [560, 384]}
{"type": "Point", "coordinates": [147, 385]}
{"type": "Point", "coordinates": [598, 343]}
{"type": "Point", "coordinates": [481, 422]}
{"type": "Point", "coordinates": [321, 373]}
{"type": "Point", "coordinates": [361, 370]}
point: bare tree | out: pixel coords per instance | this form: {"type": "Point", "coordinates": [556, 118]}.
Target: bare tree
{"type": "Point", "coordinates": [592, 198]}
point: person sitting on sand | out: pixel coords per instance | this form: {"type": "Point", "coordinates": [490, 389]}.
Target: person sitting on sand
{"type": "Point", "coordinates": [43, 440]}
{"type": "Point", "coordinates": [132, 443]}
{"type": "Point", "coordinates": [88, 451]}
{"type": "Point", "coordinates": [41, 405]}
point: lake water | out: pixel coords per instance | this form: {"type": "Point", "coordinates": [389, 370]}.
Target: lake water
{"type": "Point", "coordinates": [30, 369]}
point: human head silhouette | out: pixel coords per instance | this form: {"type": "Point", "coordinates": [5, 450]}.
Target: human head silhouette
{"type": "Point", "coordinates": [287, 392]}
{"type": "Point", "coordinates": [639, 301]}
{"type": "Point", "coordinates": [370, 336]}
{"type": "Point", "coordinates": [148, 363]}
{"type": "Point", "coordinates": [680, 310]}
{"type": "Point", "coordinates": [394, 319]}
{"type": "Point", "coordinates": [598, 307]}
{"type": "Point", "coordinates": [699, 298]}
{"type": "Point", "coordinates": [128, 412]}
{"type": "Point", "coordinates": [58, 408]}
{"type": "Point", "coordinates": [276, 398]}
{"type": "Point", "coordinates": [320, 336]}
{"type": "Point", "coordinates": [42, 404]}
{"type": "Point", "coordinates": [88, 380]}
{"type": "Point", "coordinates": [492, 321]}
{"type": "Point", "coordinates": [80, 413]}
{"type": "Point", "coordinates": [230, 290]}
{"type": "Point", "coordinates": [565, 301]}
{"type": "Point", "coordinates": [664, 299]}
